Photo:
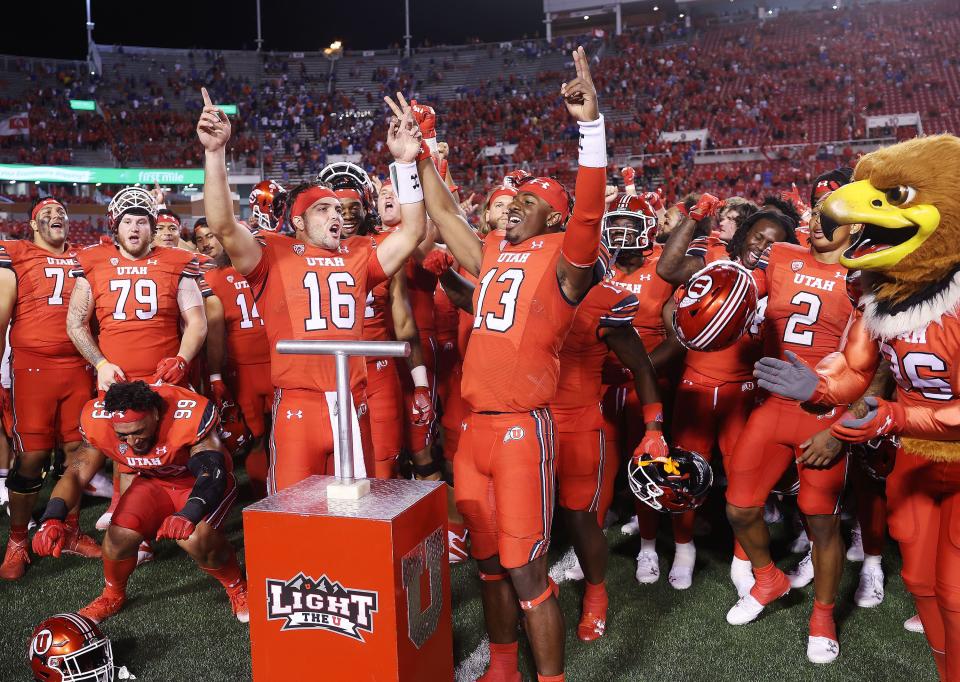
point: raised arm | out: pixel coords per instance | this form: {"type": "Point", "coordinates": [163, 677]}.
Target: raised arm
{"type": "Point", "coordinates": [404, 141]}
{"type": "Point", "coordinates": [581, 242]}
{"type": "Point", "coordinates": [675, 265]}
{"type": "Point", "coordinates": [213, 129]}
{"type": "Point", "coordinates": [404, 323]}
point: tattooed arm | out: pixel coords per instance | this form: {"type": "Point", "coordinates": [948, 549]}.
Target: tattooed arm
{"type": "Point", "coordinates": [78, 329]}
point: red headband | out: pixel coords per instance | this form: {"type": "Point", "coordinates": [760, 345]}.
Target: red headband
{"type": "Point", "coordinates": [308, 198]}
{"type": "Point", "coordinates": [43, 204]}
{"type": "Point", "coordinates": [348, 193]}
{"type": "Point", "coordinates": [168, 218]}
{"type": "Point", "coordinates": [127, 416]}
{"type": "Point", "coordinates": [550, 191]}
{"type": "Point", "coordinates": [501, 191]}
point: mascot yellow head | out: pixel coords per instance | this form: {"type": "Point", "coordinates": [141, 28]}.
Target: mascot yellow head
{"type": "Point", "coordinates": [908, 198]}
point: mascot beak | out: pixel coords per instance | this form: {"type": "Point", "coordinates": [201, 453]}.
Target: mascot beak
{"type": "Point", "coordinates": [890, 231]}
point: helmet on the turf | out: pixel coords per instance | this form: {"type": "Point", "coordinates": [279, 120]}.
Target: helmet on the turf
{"type": "Point", "coordinates": [134, 200]}
{"type": "Point", "coordinates": [69, 647]}
{"type": "Point", "coordinates": [263, 215]}
{"type": "Point", "coordinates": [715, 307]}
{"type": "Point", "coordinates": [233, 430]}
{"type": "Point", "coordinates": [877, 456]}
{"type": "Point", "coordinates": [639, 237]}
{"type": "Point", "coordinates": [677, 483]}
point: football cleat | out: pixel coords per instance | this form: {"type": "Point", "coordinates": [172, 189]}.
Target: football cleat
{"type": "Point", "coordinates": [103, 607]}
{"type": "Point", "coordinates": [741, 574]}
{"type": "Point", "coordinates": [745, 610]}
{"type": "Point", "coordinates": [457, 544]}
{"type": "Point", "coordinates": [822, 649]}
{"type": "Point", "coordinates": [79, 544]}
{"type": "Point", "coordinates": [15, 560]}
{"type": "Point", "coordinates": [238, 602]}
{"type": "Point", "coordinates": [870, 590]}
{"type": "Point", "coordinates": [144, 553]}
{"type": "Point", "coordinates": [802, 575]}
{"type": "Point", "coordinates": [104, 521]}
{"type": "Point", "coordinates": [648, 568]}
{"type": "Point", "coordinates": [591, 626]}
{"type": "Point", "coordinates": [855, 551]}
{"type": "Point", "coordinates": [631, 527]}
{"type": "Point", "coordinates": [801, 543]}
{"type": "Point", "coordinates": [913, 624]}
{"type": "Point", "coordinates": [100, 485]}
{"type": "Point", "coordinates": [681, 572]}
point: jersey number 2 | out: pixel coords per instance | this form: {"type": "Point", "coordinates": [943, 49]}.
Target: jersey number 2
{"type": "Point", "coordinates": [807, 318]}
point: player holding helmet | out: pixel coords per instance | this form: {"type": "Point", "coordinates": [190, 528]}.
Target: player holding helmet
{"type": "Point", "coordinates": [51, 381]}
{"type": "Point", "coordinates": [312, 286]}
{"type": "Point", "coordinates": [266, 205]}
{"type": "Point", "coordinates": [530, 284]}
{"type": "Point", "coordinates": [182, 491]}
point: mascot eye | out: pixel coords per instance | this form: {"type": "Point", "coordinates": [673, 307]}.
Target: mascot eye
{"type": "Point", "coordinates": [900, 195]}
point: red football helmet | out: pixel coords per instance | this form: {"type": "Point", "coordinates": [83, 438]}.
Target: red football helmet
{"type": "Point", "coordinates": [621, 237]}
{"type": "Point", "coordinates": [715, 307]}
{"type": "Point", "coordinates": [262, 197]}
{"type": "Point", "coordinates": [70, 648]}
{"type": "Point", "coordinates": [233, 430]}
{"type": "Point", "coordinates": [877, 456]}
{"type": "Point", "coordinates": [676, 484]}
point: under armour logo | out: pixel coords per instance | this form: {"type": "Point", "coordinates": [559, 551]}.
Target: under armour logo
{"type": "Point", "coordinates": [538, 244]}
{"type": "Point", "coordinates": [542, 183]}
{"type": "Point", "coordinates": [291, 414]}
{"type": "Point", "coordinates": [839, 275]}
{"type": "Point", "coordinates": [416, 180]}
{"type": "Point", "coordinates": [153, 261]}
{"type": "Point", "coordinates": [343, 249]}
{"type": "Point", "coordinates": [162, 450]}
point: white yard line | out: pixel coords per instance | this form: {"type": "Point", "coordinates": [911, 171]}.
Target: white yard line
{"type": "Point", "coordinates": [473, 666]}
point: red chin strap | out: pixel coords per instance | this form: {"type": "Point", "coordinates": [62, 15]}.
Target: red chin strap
{"type": "Point", "coordinates": [127, 416]}
{"type": "Point", "coordinates": [308, 198]}
{"type": "Point", "coordinates": [43, 204]}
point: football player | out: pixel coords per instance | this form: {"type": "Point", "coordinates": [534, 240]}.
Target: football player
{"type": "Point", "coordinates": [168, 230]}
{"type": "Point", "coordinates": [496, 209]}
{"type": "Point", "coordinates": [530, 284]}
{"type": "Point", "coordinates": [807, 314]}
{"type": "Point", "coordinates": [147, 301]}
{"type": "Point", "coordinates": [51, 381]}
{"type": "Point", "coordinates": [239, 363]}
{"type": "Point", "coordinates": [312, 286]}
{"type": "Point", "coordinates": [182, 491]}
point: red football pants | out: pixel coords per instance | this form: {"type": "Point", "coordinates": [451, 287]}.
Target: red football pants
{"type": "Point", "coordinates": [385, 401]}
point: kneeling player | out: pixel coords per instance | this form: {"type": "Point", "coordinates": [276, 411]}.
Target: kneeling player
{"type": "Point", "coordinates": [182, 490]}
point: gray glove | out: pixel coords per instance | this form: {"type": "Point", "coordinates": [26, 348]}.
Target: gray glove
{"type": "Point", "coordinates": [790, 379]}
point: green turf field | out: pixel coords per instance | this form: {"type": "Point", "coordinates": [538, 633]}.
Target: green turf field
{"type": "Point", "coordinates": [177, 624]}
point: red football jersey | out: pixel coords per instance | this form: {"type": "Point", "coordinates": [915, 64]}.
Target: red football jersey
{"type": "Point", "coordinates": [187, 420]}
{"type": "Point", "coordinates": [808, 309]}
{"type": "Point", "coordinates": [925, 364]}
{"type": "Point", "coordinates": [38, 325]}
{"type": "Point", "coordinates": [308, 292]}
{"type": "Point", "coordinates": [577, 401]}
{"type": "Point", "coordinates": [377, 318]}
{"type": "Point", "coordinates": [136, 303]}
{"type": "Point", "coordinates": [521, 319]}
{"type": "Point", "coordinates": [246, 335]}
{"type": "Point", "coordinates": [652, 292]}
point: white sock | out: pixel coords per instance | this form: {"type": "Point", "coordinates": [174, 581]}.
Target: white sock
{"type": "Point", "coordinates": [686, 554]}
{"type": "Point", "coordinates": [4, 472]}
{"type": "Point", "coordinates": [741, 564]}
{"type": "Point", "coordinates": [648, 545]}
{"type": "Point", "coordinates": [871, 560]}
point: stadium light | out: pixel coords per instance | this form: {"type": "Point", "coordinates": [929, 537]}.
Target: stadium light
{"type": "Point", "coordinates": [586, 16]}
{"type": "Point", "coordinates": [83, 105]}
{"type": "Point", "coordinates": [334, 51]}
{"type": "Point", "coordinates": [656, 9]}
{"type": "Point", "coordinates": [682, 15]}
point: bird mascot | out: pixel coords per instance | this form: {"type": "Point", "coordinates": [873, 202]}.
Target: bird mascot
{"type": "Point", "coordinates": [907, 197]}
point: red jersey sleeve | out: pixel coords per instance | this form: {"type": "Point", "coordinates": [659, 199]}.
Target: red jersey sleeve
{"type": "Point", "coordinates": [623, 308]}
{"type": "Point", "coordinates": [581, 243]}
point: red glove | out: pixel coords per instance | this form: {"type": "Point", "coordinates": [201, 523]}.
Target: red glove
{"type": "Point", "coordinates": [654, 444]}
{"type": "Point", "coordinates": [49, 540]}
{"type": "Point", "coordinates": [516, 177]}
{"type": "Point", "coordinates": [437, 262]}
{"type": "Point", "coordinates": [655, 199]}
{"type": "Point", "coordinates": [883, 417]}
{"type": "Point", "coordinates": [171, 370]}
{"type": "Point", "coordinates": [220, 393]}
{"type": "Point", "coordinates": [426, 118]}
{"type": "Point", "coordinates": [175, 527]}
{"type": "Point", "coordinates": [793, 196]}
{"type": "Point", "coordinates": [707, 206]}
{"type": "Point", "coordinates": [422, 412]}
{"type": "Point", "coordinates": [629, 175]}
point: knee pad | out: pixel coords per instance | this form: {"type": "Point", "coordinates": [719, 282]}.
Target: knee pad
{"type": "Point", "coordinates": [25, 485]}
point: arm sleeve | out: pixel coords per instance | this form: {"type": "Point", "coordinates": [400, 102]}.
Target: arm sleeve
{"type": "Point", "coordinates": [845, 375]}
{"type": "Point", "coordinates": [581, 243]}
{"type": "Point", "coordinates": [189, 294]}
{"type": "Point", "coordinates": [620, 314]}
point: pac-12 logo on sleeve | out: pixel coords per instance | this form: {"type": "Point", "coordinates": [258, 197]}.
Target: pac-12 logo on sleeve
{"type": "Point", "coordinates": [321, 604]}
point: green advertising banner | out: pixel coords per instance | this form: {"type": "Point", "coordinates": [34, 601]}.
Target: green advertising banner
{"type": "Point", "coordinates": [110, 176]}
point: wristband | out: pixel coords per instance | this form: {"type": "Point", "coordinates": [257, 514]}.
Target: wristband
{"type": "Point", "coordinates": [215, 377]}
{"type": "Point", "coordinates": [419, 374]}
{"type": "Point", "coordinates": [56, 509]}
{"type": "Point", "coordinates": [653, 412]}
{"type": "Point", "coordinates": [593, 144]}
{"type": "Point", "coordinates": [406, 182]}
{"type": "Point", "coordinates": [100, 363]}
